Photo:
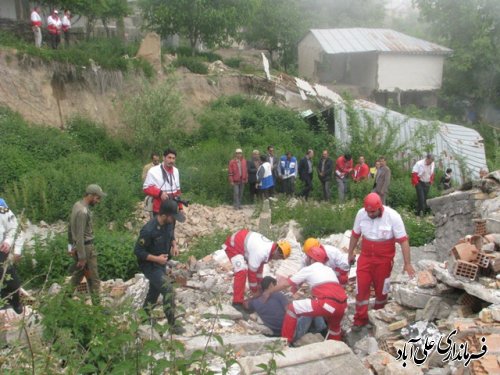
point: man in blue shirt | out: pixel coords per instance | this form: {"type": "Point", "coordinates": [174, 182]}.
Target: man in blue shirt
{"type": "Point", "coordinates": [272, 312]}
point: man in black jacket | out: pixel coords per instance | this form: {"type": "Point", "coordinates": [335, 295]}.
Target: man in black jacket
{"type": "Point", "coordinates": [325, 170]}
{"type": "Point", "coordinates": [155, 246]}
{"type": "Point", "coordinates": [306, 173]}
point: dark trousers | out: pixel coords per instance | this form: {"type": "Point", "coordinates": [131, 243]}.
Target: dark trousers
{"type": "Point", "coordinates": [253, 190]}
{"type": "Point", "coordinates": [55, 39]}
{"type": "Point", "coordinates": [308, 186]}
{"type": "Point", "coordinates": [11, 283]}
{"type": "Point", "coordinates": [159, 283]}
{"type": "Point", "coordinates": [288, 185]}
{"type": "Point", "coordinates": [66, 38]}
{"type": "Point", "coordinates": [422, 189]}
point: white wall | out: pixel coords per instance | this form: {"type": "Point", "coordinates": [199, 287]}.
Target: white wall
{"type": "Point", "coordinates": [309, 51]}
{"type": "Point", "coordinates": [8, 9]}
{"type": "Point", "coordinates": [409, 72]}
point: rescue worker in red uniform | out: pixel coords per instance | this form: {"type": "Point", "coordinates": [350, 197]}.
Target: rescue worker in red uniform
{"type": "Point", "coordinates": [248, 252]}
{"type": "Point", "coordinates": [380, 228]}
{"type": "Point", "coordinates": [337, 259]}
{"type": "Point", "coordinates": [329, 299]}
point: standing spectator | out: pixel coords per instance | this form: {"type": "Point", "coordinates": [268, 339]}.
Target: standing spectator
{"type": "Point", "coordinates": [422, 177]}
{"type": "Point", "coordinates": [329, 299]}
{"type": "Point", "coordinates": [248, 252]}
{"type": "Point", "coordinates": [148, 201]}
{"type": "Point", "coordinates": [382, 179]}
{"type": "Point", "coordinates": [274, 162]}
{"type": "Point", "coordinates": [287, 172]}
{"type": "Point", "coordinates": [445, 182]}
{"type": "Point", "coordinates": [81, 241]}
{"type": "Point", "coordinates": [66, 26]}
{"type": "Point", "coordinates": [54, 25]}
{"type": "Point", "coordinates": [374, 169]}
{"type": "Point", "coordinates": [381, 227]}
{"type": "Point", "coordinates": [162, 181]}
{"type": "Point", "coordinates": [361, 170]}
{"type": "Point", "coordinates": [343, 168]}
{"type": "Point", "coordinates": [325, 170]}
{"type": "Point", "coordinates": [253, 165]}
{"type": "Point", "coordinates": [265, 178]}
{"type": "Point", "coordinates": [155, 160]}
{"type": "Point", "coordinates": [155, 246]}
{"type": "Point", "coordinates": [306, 173]}
{"type": "Point", "coordinates": [238, 177]}
{"type": "Point", "coordinates": [10, 281]}
{"type": "Point", "coordinates": [36, 25]}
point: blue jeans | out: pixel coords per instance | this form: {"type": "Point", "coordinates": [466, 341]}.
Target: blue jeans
{"type": "Point", "coordinates": [307, 324]}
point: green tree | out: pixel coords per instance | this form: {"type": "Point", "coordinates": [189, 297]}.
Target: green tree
{"type": "Point", "coordinates": [472, 29]}
{"type": "Point", "coordinates": [212, 22]}
{"type": "Point", "coordinates": [277, 26]}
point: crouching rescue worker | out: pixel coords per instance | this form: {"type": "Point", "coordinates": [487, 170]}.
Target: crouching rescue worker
{"type": "Point", "coordinates": [329, 299]}
{"type": "Point", "coordinates": [380, 228]}
{"type": "Point", "coordinates": [155, 246]}
{"type": "Point", "coordinates": [337, 259]}
{"type": "Point", "coordinates": [248, 252]}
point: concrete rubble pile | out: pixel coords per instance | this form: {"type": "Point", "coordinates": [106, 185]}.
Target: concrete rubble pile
{"type": "Point", "coordinates": [203, 220]}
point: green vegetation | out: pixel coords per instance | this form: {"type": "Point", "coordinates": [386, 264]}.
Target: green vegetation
{"type": "Point", "coordinates": [111, 54]}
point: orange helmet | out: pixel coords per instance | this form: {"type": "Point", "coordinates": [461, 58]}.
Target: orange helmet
{"type": "Point", "coordinates": [309, 243]}
{"type": "Point", "coordinates": [318, 254]}
{"type": "Point", "coordinates": [373, 202]}
{"type": "Point", "coordinates": [285, 247]}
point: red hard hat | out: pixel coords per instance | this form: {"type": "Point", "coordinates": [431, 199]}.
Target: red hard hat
{"type": "Point", "coordinates": [373, 202]}
{"type": "Point", "coordinates": [317, 253]}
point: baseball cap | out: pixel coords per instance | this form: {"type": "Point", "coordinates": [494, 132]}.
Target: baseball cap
{"type": "Point", "coordinates": [56, 11]}
{"type": "Point", "coordinates": [170, 207]}
{"type": "Point", "coordinates": [239, 151]}
{"type": "Point", "coordinates": [95, 190]}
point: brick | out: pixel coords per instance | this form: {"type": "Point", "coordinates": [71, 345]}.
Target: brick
{"type": "Point", "coordinates": [465, 252]}
{"type": "Point", "coordinates": [480, 227]}
{"type": "Point", "coordinates": [425, 279]}
{"type": "Point", "coordinates": [466, 270]}
{"type": "Point", "coordinates": [397, 325]}
{"type": "Point", "coordinates": [482, 260]}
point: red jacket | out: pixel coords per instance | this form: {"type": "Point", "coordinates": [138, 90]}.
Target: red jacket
{"type": "Point", "coordinates": [343, 167]}
{"type": "Point", "coordinates": [360, 172]}
{"type": "Point", "coordinates": [234, 174]}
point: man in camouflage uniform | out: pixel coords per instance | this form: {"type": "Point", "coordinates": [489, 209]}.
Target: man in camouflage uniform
{"type": "Point", "coordinates": [81, 241]}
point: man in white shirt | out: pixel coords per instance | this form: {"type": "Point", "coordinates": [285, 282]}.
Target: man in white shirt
{"type": "Point", "coordinates": [36, 25]}
{"type": "Point", "coordinates": [422, 177]}
{"type": "Point", "coordinates": [381, 227]}
{"type": "Point", "coordinates": [66, 26]}
{"type": "Point", "coordinates": [10, 283]}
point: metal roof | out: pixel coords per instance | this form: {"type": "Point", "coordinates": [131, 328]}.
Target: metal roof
{"type": "Point", "coordinates": [334, 41]}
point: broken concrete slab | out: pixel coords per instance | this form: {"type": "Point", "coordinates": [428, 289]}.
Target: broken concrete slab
{"type": "Point", "coordinates": [225, 311]}
{"type": "Point", "coordinates": [309, 338]}
{"type": "Point", "coordinates": [327, 357]}
{"type": "Point", "coordinates": [435, 308]}
{"type": "Point", "coordinates": [412, 296]}
{"type": "Point", "coordinates": [472, 287]}
{"type": "Point", "coordinates": [243, 344]}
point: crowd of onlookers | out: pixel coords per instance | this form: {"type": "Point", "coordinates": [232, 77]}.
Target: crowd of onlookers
{"type": "Point", "coordinates": [267, 174]}
{"type": "Point", "coordinates": [56, 26]}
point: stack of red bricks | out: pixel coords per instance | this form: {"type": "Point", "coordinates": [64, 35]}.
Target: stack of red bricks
{"type": "Point", "coordinates": [467, 258]}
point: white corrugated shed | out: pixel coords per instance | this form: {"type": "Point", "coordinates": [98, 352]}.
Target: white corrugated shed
{"type": "Point", "coordinates": [335, 41]}
{"type": "Point", "coordinates": [455, 146]}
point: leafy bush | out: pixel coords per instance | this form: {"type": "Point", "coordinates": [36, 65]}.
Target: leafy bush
{"type": "Point", "coordinates": [233, 62]}
{"type": "Point", "coordinates": [49, 192]}
{"type": "Point", "coordinates": [92, 137]}
{"type": "Point", "coordinates": [194, 64]}
{"type": "Point", "coordinates": [49, 258]}
{"type": "Point", "coordinates": [155, 118]}
{"type": "Point", "coordinates": [421, 231]}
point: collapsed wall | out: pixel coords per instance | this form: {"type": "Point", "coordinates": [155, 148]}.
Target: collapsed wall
{"type": "Point", "coordinates": [456, 214]}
